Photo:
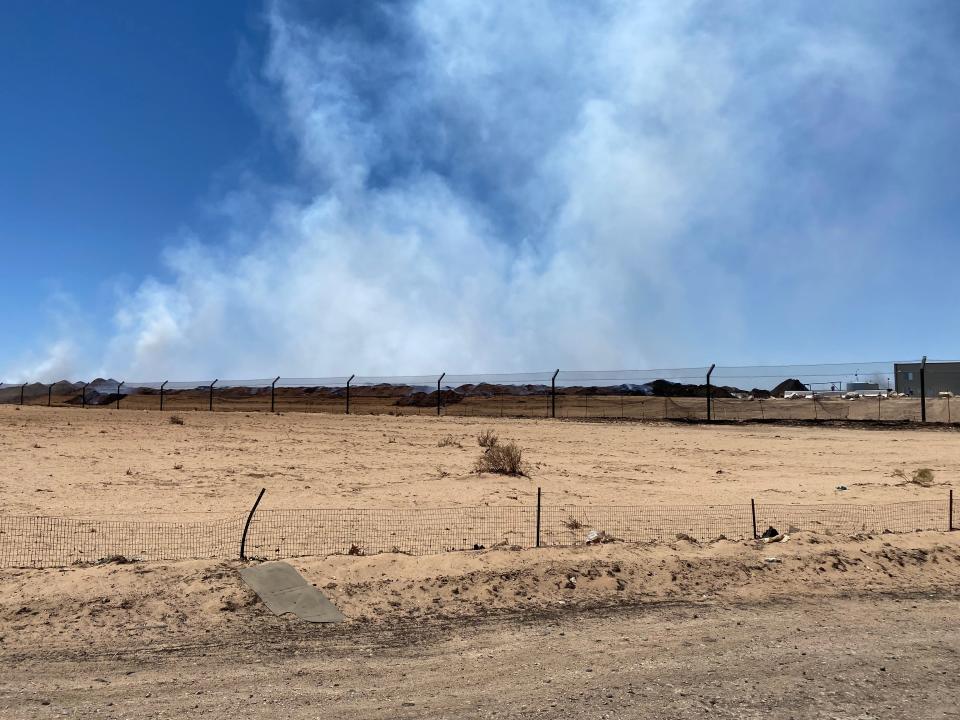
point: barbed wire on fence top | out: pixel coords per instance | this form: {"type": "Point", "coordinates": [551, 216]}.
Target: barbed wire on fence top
{"type": "Point", "coordinates": [563, 376]}
{"type": "Point", "coordinates": [36, 541]}
{"type": "Point", "coordinates": [258, 384]}
{"type": "Point", "coordinates": [324, 382]}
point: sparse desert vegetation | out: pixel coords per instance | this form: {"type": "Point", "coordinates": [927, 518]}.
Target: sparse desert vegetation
{"type": "Point", "coordinates": [487, 438]}
{"type": "Point", "coordinates": [503, 459]}
{"type": "Point", "coordinates": [449, 441]}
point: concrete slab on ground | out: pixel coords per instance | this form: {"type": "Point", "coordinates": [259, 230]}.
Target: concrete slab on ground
{"type": "Point", "coordinates": [284, 590]}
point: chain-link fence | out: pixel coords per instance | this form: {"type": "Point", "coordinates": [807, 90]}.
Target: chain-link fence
{"type": "Point", "coordinates": [890, 391]}
{"type": "Point", "coordinates": [276, 534]}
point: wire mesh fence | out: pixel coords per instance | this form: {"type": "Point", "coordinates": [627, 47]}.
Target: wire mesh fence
{"type": "Point", "coordinates": [889, 391]}
{"type": "Point", "coordinates": [59, 541]}
{"type": "Point", "coordinates": [276, 534]}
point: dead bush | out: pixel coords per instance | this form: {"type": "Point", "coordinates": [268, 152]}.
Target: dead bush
{"type": "Point", "coordinates": [922, 477]}
{"type": "Point", "coordinates": [571, 523]}
{"type": "Point", "coordinates": [176, 420]}
{"type": "Point", "coordinates": [487, 439]}
{"type": "Point", "coordinates": [449, 441]}
{"type": "Point", "coordinates": [502, 459]}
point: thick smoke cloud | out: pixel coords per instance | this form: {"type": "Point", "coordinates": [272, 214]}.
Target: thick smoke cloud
{"type": "Point", "coordinates": [525, 185]}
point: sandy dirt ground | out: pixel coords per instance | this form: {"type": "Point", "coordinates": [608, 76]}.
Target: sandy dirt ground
{"type": "Point", "coordinates": [821, 626]}
{"type": "Point", "coordinates": [834, 628]}
{"type": "Point", "coordinates": [137, 463]}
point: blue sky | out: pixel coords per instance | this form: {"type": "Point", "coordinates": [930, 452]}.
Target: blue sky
{"type": "Point", "coordinates": [242, 189]}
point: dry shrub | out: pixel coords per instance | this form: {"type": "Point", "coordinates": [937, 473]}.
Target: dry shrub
{"type": "Point", "coordinates": [502, 459]}
{"type": "Point", "coordinates": [922, 477]}
{"type": "Point", "coordinates": [487, 439]}
{"type": "Point", "coordinates": [449, 441]}
{"type": "Point", "coordinates": [176, 420]}
{"type": "Point", "coordinates": [571, 523]}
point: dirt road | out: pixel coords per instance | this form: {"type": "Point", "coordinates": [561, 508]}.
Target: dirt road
{"type": "Point", "coordinates": [855, 657]}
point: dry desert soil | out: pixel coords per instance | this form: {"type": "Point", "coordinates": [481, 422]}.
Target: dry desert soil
{"type": "Point", "coordinates": [821, 626]}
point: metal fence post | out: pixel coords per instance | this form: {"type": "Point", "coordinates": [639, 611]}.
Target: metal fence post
{"type": "Point", "coordinates": [923, 389]}
{"type": "Point", "coordinates": [438, 392]}
{"type": "Point", "coordinates": [553, 393]}
{"type": "Point", "coordinates": [21, 392]}
{"type": "Point", "coordinates": [83, 395]}
{"type": "Point", "coordinates": [210, 406]}
{"type": "Point", "coordinates": [49, 393]}
{"type": "Point", "coordinates": [753, 515]}
{"type": "Point", "coordinates": [710, 394]}
{"type": "Point", "coordinates": [349, 380]}
{"type": "Point", "coordinates": [120, 385]}
{"type": "Point", "coordinates": [243, 540]}
{"type": "Point", "coordinates": [950, 511]}
{"type": "Point", "coordinates": [162, 386]}
{"type": "Point", "coordinates": [273, 392]}
{"type": "Point", "coordinates": [538, 517]}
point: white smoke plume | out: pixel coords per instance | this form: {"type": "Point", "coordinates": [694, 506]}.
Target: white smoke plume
{"type": "Point", "coordinates": [514, 186]}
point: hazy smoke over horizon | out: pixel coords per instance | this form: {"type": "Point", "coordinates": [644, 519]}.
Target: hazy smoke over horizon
{"type": "Point", "coordinates": [486, 186]}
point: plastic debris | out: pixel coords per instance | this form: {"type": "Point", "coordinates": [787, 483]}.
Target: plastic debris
{"type": "Point", "coordinates": [596, 537]}
{"type": "Point", "coordinates": [780, 537]}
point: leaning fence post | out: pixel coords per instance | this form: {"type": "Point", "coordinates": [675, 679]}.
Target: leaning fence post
{"type": "Point", "coordinates": [349, 380]}
{"type": "Point", "coordinates": [438, 392]}
{"type": "Point", "coordinates": [21, 392]}
{"type": "Point", "coordinates": [710, 394]}
{"type": "Point", "coordinates": [923, 389]}
{"type": "Point", "coordinates": [49, 393]}
{"type": "Point", "coordinates": [538, 517]}
{"type": "Point", "coordinates": [162, 386]}
{"type": "Point", "coordinates": [210, 406]}
{"type": "Point", "coordinates": [243, 540]}
{"type": "Point", "coordinates": [119, 385]}
{"type": "Point", "coordinates": [273, 392]}
{"type": "Point", "coordinates": [753, 515]}
{"type": "Point", "coordinates": [553, 393]}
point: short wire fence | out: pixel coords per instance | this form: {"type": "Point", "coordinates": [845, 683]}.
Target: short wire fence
{"type": "Point", "coordinates": [887, 391]}
{"type": "Point", "coordinates": [276, 534]}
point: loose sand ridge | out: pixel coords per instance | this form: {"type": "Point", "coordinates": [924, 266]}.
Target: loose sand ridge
{"type": "Point", "coordinates": [119, 607]}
